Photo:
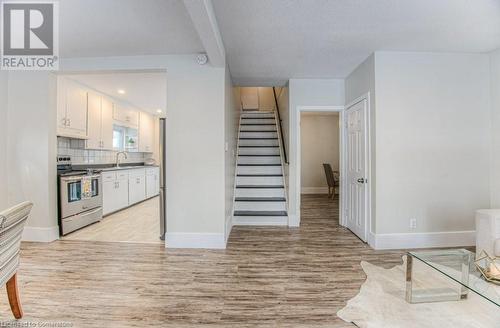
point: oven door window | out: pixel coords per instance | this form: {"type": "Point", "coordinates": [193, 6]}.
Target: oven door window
{"type": "Point", "coordinates": [95, 187]}
{"type": "Point", "coordinates": [74, 191]}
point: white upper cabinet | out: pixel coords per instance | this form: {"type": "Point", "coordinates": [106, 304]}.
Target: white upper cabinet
{"type": "Point", "coordinates": [126, 116]}
{"type": "Point", "coordinates": [94, 121]}
{"type": "Point", "coordinates": [71, 109]}
{"type": "Point", "coordinates": [107, 123]}
{"type": "Point", "coordinates": [100, 122]}
{"type": "Point", "coordinates": [146, 132]}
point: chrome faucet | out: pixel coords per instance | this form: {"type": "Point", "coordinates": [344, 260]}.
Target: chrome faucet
{"type": "Point", "coordinates": [118, 157]}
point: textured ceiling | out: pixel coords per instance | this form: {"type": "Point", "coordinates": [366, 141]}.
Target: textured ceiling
{"type": "Point", "coordinates": [125, 28]}
{"type": "Point", "coordinates": [268, 42]}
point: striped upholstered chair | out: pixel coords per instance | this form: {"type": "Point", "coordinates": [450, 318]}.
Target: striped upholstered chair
{"type": "Point", "coordinates": [11, 228]}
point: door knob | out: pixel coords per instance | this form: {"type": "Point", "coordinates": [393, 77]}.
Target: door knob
{"type": "Point", "coordinates": [361, 180]}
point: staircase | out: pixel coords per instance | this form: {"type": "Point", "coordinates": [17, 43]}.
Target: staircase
{"type": "Point", "coordinates": [260, 197]}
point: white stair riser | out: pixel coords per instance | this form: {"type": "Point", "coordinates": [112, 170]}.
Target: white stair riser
{"type": "Point", "coordinates": [259, 160]}
{"type": "Point", "coordinates": [260, 181]}
{"type": "Point", "coordinates": [260, 220]}
{"type": "Point", "coordinates": [259, 151]}
{"type": "Point", "coordinates": [259, 170]}
{"type": "Point", "coordinates": [258, 135]}
{"type": "Point", "coordinates": [259, 206]}
{"type": "Point", "coordinates": [258, 121]}
{"type": "Point", "coordinates": [247, 192]}
{"type": "Point", "coordinates": [258, 128]}
{"type": "Point", "coordinates": [259, 142]}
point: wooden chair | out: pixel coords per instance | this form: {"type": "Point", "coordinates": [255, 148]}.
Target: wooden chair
{"type": "Point", "coordinates": [11, 228]}
{"type": "Point", "coordinates": [332, 179]}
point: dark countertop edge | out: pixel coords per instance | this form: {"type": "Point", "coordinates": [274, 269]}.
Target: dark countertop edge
{"type": "Point", "coordinates": [84, 167]}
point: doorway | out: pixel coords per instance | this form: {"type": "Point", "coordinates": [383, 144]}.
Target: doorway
{"type": "Point", "coordinates": [353, 191]}
{"type": "Point", "coordinates": [110, 126]}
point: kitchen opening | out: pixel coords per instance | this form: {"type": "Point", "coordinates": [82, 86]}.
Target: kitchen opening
{"type": "Point", "coordinates": [110, 156]}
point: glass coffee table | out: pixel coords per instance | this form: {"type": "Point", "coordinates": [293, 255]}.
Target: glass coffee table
{"type": "Point", "coordinates": [446, 275]}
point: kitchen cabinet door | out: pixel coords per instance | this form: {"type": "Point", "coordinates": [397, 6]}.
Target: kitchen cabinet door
{"type": "Point", "coordinates": [76, 108]}
{"type": "Point", "coordinates": [61, 105]}
{"type": "Point", "coordinates": [128, 116]}
{"type": "Point", "coordinates": [146, 132]}
{"type": "Point", "coordinates": [109, 200]}
{"type": "Point", "coordinates": [150, 185]}
{"type": "Point", "coordinates": [94, 121]}
{"type": "Point", "coordinates": [137, 189]}
{"type": "Point", "coordinates": [115, 196]}
{"type": "Point", "coordinates": [122, 194]}
{"type": "Point", "coordinates": [106, 123]}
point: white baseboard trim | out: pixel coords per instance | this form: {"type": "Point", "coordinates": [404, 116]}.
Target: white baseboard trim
{"type": "Point", "coordinates": [422, 240]}
{"type": "Point", "coordinates": [314, 190]}
{"type": "Point", "coordinates": [229, 227]}
{"type": "Point", "coordinates": [195, 240]}
{"type": "Point", "coordinates": [293, 221]}
{"type": "Point", "coordinates": [260, 221]}
{"type": "Point", "coordinates": [39, 234]}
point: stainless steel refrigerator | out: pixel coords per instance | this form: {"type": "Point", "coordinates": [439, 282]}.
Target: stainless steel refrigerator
{"type": "Point", "coordinates": [163, 208]}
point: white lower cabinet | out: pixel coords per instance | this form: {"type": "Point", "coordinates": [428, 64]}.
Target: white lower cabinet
{"type": "Point", "coordinates": [152, 182]}
{"type": "Point", "coordinates": [115, 192]}
{"type": "Point", "coordinates": [137, 186]}
{"type": "Point", "coordinates": [123, 188]}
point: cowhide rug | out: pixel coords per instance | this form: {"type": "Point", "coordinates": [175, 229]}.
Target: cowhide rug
{"type": "Point", "coordinates": [381, 303]}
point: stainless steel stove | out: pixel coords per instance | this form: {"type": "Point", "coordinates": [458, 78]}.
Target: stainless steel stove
{"type": "Point", "coordinates": [80, 196]}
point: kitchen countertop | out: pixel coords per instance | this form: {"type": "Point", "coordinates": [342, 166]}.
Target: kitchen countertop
{"type": "Point", "coordinates": [124, 167]}
{"type": "Point", "coordinates": [112, 167]}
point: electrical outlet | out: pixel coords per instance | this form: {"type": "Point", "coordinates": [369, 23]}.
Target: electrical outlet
{"type": "Point", "coordinates": [413, 224]}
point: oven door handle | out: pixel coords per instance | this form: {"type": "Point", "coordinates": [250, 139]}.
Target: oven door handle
{"type": "Point", "coordinates": [79, 178]}
{"type": "Point", "coordinates": [92, 211]}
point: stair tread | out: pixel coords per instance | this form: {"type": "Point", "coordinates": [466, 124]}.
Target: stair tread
{"type": "Point", "coordinates": [259, 164]}
{"type": "Point", "coordinates": [245, 138]}
{"type": "Point", "coordinates": [260, 199]}
{"type": "Point", "coordinates": [257, 146]}
{"type": "Point", "coordinates": [257, 124]}
{"type": "Point", "coordinates": [259, 155]}
{"type": "Point", "coordinates": [260, 186]}
{"type": "Point", "coordinates": [258, 131]}
{"type": "Point", "coordinates": [260, 213]}
{"type": "Point", "coordinates": [259, 175]}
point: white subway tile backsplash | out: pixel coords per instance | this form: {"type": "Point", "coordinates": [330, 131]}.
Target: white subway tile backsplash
{"type": "Point", "coordinates": [79, 155]}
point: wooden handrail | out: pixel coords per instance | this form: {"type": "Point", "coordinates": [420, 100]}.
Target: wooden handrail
{"type": "Point", "coordinates": [281, 126]}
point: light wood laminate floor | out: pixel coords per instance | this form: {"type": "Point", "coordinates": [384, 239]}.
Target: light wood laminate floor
{"type": "Point", "coordinates": [137, 224]}
{"type": "Point", "coordinates": [267, 277]}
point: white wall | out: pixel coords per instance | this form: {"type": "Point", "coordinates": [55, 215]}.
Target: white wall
{"type": "Point", "coordinates": [195, 174]}
{"type": "Point", "coordinates": [3, 139]}
{"type": "Point", "coordinates": [31, 150]}
{"type": "Point", "coordinates": [263, 96]}
{"type": "Point", "coordinates": [319, 134]}
{"type": "Point", "coordinates": [231, 122]}
{"type": "Point", "coordinates": [306, 92]}
{"type": "Point", "coordinates": [432, 141]}
{"type": "Point", "coordinates": [495, 119]}
{"type": "Point", "coordinates": [359, 83]}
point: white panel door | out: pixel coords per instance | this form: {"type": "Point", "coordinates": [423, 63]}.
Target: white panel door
{"type": "Point", "coordinates": [106, 124]}
{"type": "Point", "coordinates": [356, 170]}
